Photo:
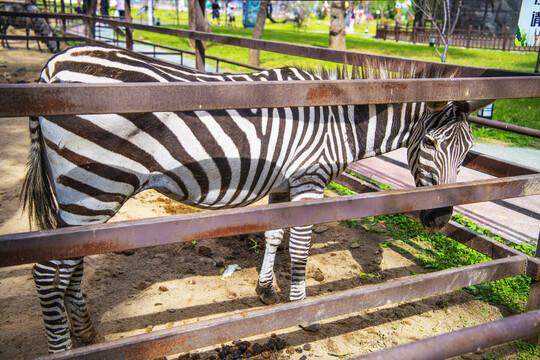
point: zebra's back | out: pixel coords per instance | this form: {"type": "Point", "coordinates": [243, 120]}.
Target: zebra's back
{"type": "Point", "coordinates": [209, 159]}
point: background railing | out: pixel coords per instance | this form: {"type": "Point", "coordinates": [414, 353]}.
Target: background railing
{"type": "Point", "coordinates": [467, 38]}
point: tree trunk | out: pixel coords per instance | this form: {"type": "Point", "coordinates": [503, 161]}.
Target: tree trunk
{"type": "Point", "coordinates": [258, 32]}
{"type": "Point", "coordinates": [192, 22]}
{"type": "Point", "coordinates": [337, 25]}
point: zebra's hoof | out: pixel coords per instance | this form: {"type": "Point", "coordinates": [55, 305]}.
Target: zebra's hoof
{"type": "Point", "coordinates": [267, 295]}
{"type": "Point", "coordinates": [90, 338]}
{"type": "Point", "coordinates": [311, 327]}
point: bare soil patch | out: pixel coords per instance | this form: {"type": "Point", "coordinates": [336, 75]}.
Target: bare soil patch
{"type": "Point", "coordinates": [143, 290]}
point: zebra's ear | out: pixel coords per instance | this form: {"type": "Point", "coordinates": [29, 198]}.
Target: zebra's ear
{"type": "Point", "coordinates": [478, 104]}
{"type": "Point", "coordinates": [436, 105]}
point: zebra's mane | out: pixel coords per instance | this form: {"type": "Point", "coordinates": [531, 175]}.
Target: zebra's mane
{"type": "Point", "coordinates": [383, 68]}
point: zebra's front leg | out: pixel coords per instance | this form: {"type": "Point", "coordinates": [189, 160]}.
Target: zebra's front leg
{"type": "Point", "coordinates": [81, 325]}
{"type": "Point", "coordinates": [265, 288]}
{"type": "Point", "coordinates": [52, 279]}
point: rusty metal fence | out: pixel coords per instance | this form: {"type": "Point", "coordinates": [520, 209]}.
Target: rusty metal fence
{"type": "Point", "coordinates": [514, 181]}
{"type": "Point", "coordinates": [467, 38]}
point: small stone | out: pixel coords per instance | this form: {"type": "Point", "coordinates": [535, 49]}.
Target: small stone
{"type": "Point", "coordinates": [355, 245]}
{"type": "Point", "coordinates": [171, 310]}
{"type": "Point", "coordinates": [205, 251]}
{"type": "Point", "coordinates": [298, 349]}
{"type": "Point", "coordinates": [320, 229]}
{"type": "Point", "coordinates": [290, 351]}
{"type": "Point", "coordinates": [163, 288]}
{"type": "Point", "coordinates": [158, 304]}
{"type": "Point", "coordinates": [303, 357]}
{"type": "Point", "coordinates": [192, 282]}
{"type": "Point", "coordinates": [318, 275]}
{"type": "Point", "coordinates": [148, 328]}
{"type": "Point", "coordinates": [307, 347]}
{"type": "Point", "coordinates": [407, 322]}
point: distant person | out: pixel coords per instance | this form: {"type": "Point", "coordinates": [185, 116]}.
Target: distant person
{"type": "Point", "coordinates": [215, 11]}
{"type": "Point", "coordinates": [230, 13]}
{"type": "Point", "coordinates": [103, 6]}
{"type": "Point", "coordinates": [121, 8]}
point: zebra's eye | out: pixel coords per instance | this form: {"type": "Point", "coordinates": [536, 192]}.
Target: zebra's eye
{"type": "Point", "coordinates": [429, 143]}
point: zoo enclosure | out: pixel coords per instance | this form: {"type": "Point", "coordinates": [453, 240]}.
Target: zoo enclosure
{"type": "Point", "coordinates": [467, 38]}
{"type": "Point", "coordinates": [17, 100]}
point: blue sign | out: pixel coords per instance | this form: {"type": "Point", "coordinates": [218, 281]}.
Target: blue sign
{"type": "Point", "coordinates": [249, 13]}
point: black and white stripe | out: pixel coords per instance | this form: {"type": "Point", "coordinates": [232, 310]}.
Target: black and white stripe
{"type": "Point", "coordinates": [39, 25]}
{"type": "Point", "coordinates": [213, 159]}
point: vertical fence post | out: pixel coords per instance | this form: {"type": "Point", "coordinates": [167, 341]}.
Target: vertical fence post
{"type": "Point", "coordinates": [533, 303]}
{"type": "Point", "coordinates": [200, 20]}
{"type": "Point", "coordinates": [469, 32]}
{"type": "Point", "coordinates": [385, 30]}
{"type": "Point", "coordinates": [129, 32]}
{"type": "Point", "coordinates": [414, 29]}
{"type": "Point", "coordinates": [505, 37]}
{"type": "Point", "coordinates": [396, 32]}
{"type": "Point", "coordinates": [63, 9]}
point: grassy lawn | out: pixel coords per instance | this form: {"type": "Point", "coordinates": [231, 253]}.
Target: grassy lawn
{"type": "Point", "coordinates": [523, 112]}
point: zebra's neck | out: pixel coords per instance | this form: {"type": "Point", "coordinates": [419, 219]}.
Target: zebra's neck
{"type": "Point", "coordinates": [382, 128]}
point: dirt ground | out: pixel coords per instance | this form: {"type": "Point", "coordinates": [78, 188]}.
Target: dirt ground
{"type": "Point", "coordinates": [147, 289]}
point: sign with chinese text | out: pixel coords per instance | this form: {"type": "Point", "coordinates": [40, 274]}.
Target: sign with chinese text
{"type": "Point", "coordinates": [528, 31]}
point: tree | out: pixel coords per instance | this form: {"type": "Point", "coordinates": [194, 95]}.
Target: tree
{"type": "Point", "coordinates": [449, 19]}
{"type": "Point", "coordinates": [192, 22]}
{"type": "Point", "coordinates": [338, 35]}
{"type": "Point", "coordinates": [254, 58]}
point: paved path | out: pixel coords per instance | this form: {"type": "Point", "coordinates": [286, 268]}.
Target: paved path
{"type": "Point", "coordinates": [517, 220]}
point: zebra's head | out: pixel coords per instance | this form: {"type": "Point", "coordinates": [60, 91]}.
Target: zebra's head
{"type": "Point", "coordinates": [437, 148]}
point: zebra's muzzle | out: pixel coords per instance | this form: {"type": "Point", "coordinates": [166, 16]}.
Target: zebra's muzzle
{"type": "Point", "coordinates": [436, 219]}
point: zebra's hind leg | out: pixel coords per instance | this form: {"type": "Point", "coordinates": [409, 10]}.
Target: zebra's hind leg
{"type": "Point", "coordinates": [299, 245]}
{"type": "Point", "coordinates": [81, 325]}
{"type": "Point", "coordinates": [52, 280]}
{"type": "Point", "coordinates": [265, 287]}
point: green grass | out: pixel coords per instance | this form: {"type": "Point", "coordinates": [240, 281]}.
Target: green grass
{"type": "Point", "coordinates": [523, 112]}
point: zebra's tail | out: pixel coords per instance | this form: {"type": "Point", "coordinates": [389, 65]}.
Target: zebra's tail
{"type": "Point", "coordinates": [37, 193]}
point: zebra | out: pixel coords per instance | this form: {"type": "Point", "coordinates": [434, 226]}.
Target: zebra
{"type": "Point", "coordinates": [40, 26]}
{"type": "Point", "coordinates": [83, 168]}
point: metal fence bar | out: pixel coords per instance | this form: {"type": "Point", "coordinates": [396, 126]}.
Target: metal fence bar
{"type": "Point", "coordinates": [504, 126]}
{"type": "Point", "coordinates": [41, 38]}
{"type": "Point", "coordinates": [462, 341]}
{"type": "Point", "coordinates": [495, 167]}
{"type": "Point", "coordinates": [252, 322]}
{"type": "Point", "coordinates": [96, 239]}
{"type": "Point", "coordinates": [64, 99]}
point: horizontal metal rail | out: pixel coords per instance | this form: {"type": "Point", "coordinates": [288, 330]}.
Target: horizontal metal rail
{"type": "Point", "coordinates": [504, 126]}
{"type": "Point", "coordinates": [257, 321]}
{"type": "Point", "coordinates": [462, 341]}
{"type": "Point", "coordinates": [96, 239]}
{"type": "Point", "coordinates": [40, 38]}
{"type": "Point", "coordinates": [215, 58]}
{"type": "Point", "coordinates": [64, 99]}
{"type": "Point", "coordinates": [495, 167]}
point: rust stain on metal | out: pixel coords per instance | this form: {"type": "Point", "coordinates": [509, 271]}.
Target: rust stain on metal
{"type": "Point", "coordinates": [323, 92]}
{"type": "Point", "coordinates": [226, 231]}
